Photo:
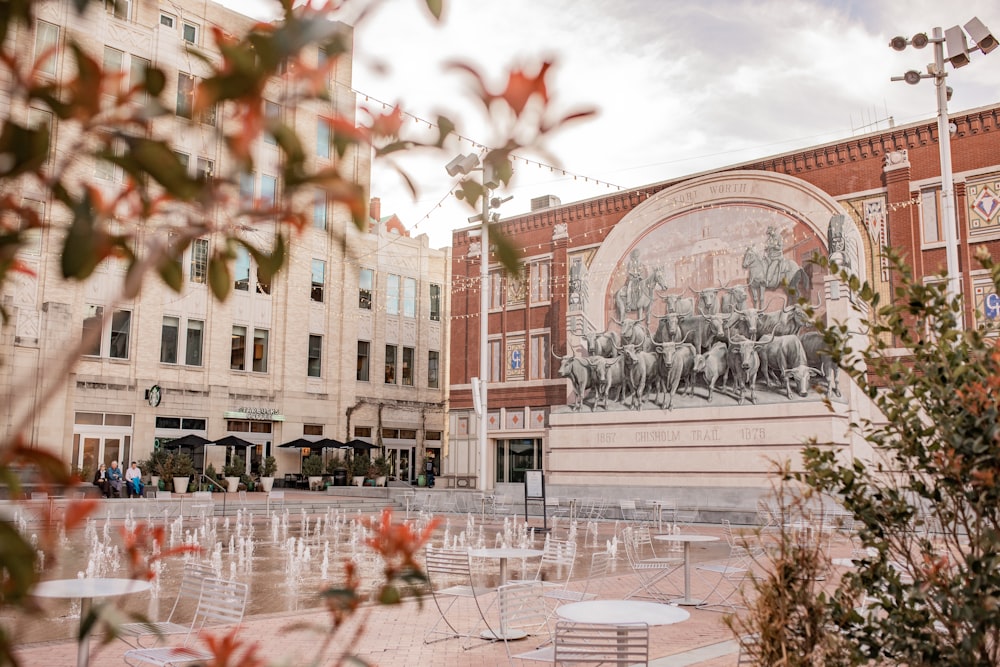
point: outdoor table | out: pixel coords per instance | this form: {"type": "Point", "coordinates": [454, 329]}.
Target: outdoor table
{"type": "Point", "coordinates": [86, 590]}
{"type": "Point", "coordinates": [503, 553]}
{"type": "Point", "coordinates": [687, 539]}
{"type": "Point", "coordinates": [622, 612]}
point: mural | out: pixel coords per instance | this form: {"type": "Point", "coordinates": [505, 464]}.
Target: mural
{"type": "Point", "coordinates": [702, 309]}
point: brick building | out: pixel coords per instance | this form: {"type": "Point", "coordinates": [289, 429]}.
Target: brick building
{"type": "Point", "coordinates": [700, 234]}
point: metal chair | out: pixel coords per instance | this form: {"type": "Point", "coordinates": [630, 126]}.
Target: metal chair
{"type": "Point", "coordinates": [448, 566]}
{"type": "Point", "coordinates": [221, 602]}
{"type": "Point", "coordinates": [201, 502]}
{"type": "Point", "coordinates": [523, 613]}
{"type": "Point", "coordinates": [187, 595]}
{"type": "Point", "coordinates": [649, 568]}
{"type": "Point", "coordinates": [731, 573]}
{"type": "Point", "coordinates": [601, 644]}
{"type": "Point", "coordinates": [631, 512]}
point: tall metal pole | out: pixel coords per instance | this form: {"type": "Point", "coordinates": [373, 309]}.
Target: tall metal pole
{"type": "Point", "coordinates": [484, 331]}
{"type": "Point", "coordinates": [948, 222]}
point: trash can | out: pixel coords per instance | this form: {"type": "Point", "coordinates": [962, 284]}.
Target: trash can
{"type": "Point", "coordinates": [340, 477]}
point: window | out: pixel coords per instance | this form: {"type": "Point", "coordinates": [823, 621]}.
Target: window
{"type": "Point", "coordinates": [46, 38]}
{"type": "Point", "coordinates": [92, 324]}
{"type": "Point", "coordinates": [238, 353]}
{"type": "Point", "coordinates": [199, 261]}
{"type": "Point", "coordinates": [312, 429]}
{"type": "Point", "coordinates": [392, 295]}
{"type": "Point", "coordinates": [193, 343]}
{"type": "Point", "coordinates": [539, 278]}
{"type": "Point", "coordinates": [314, 365]}
{"type": "Point", "coordinates": [272, 114]}
{"type": "Point", "coordinates": [319, 210]}
{"type": "Point", "coordinates": [390, 364]}
{"type": "Point", "coordinates": [184, 159]}
{"type": "Point", "coordinates": [318, 277]}
{"type": "Point", "coordinates": [137, 77]}
{"type": "Point", "coordinates": [364, 356]}
{"type": "Point", "coordinates": [205, 169]}
{"type": "Point", "coordinates": [167, 20]}
{"type": "Point", "coordinates": [538, 368]}
{"type": "Point", "coordinates": [39, 119]}
{"type": "Point", "coordinates": [516, 456]}
{"type": "Point", "coordinates": [247, 189]}
{"type": "Point", "coordinates": [433, 361]}
{"type": "Point", "coordinates": [435, 303]}
{"type": "Point", "coordinates": [930, 213]}
{"type": "Point", "coordinates": [113, 59]}
{"type": "Point", "coordinates": [241, 270]}
{"type": "Point", "coordinates": [409, 297]}
{"type": "Point", "coordinates": [407, 370]}
{"type": "Point", "coordinates": [496, 290]}
{"type": "Point", "coordinates": [362, 431]}
{"type": "Point", "coordinates": [495, 361]}
{"type": "Point", "coordinates": [268, 190]}
{"type": "Point", "coordinates": [185, 94]}
{"type": "Point", "coordinates": [168, 340]}
{"type": "Point", "coordinates": [322, 137]}
{"type": "Point", "coordinates": [121, 322]}
{"type": "Point", "coordinates": [260, 350]}
{"type": "Point", "coordinates": [120, 9]}
{"type": "Point", "coordinates": [365, 281]}
{"type": "Point", "coordinates": [104, 168]}
{"type": "Point", "coordinates": [190, 33]}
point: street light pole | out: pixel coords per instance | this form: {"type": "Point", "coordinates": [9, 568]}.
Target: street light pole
{"type": "Point", "coordinates": [949, 221]}
{"type": "Point", "coordinates": [484, 332]}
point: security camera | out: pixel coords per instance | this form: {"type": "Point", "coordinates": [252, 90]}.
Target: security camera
{"type": "Point", "coordinates": [984, 39]}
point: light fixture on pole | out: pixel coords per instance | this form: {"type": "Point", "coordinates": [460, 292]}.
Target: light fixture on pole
{"type": "Point", "coordinates": [958, 55]}
{"type": "Point", "coordinates": [465, 164]}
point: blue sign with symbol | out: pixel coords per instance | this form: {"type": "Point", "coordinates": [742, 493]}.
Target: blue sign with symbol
{"type": "Point", "coordinates": [516, 361]}
{"type": "Point", "coordinates": [991, 304]}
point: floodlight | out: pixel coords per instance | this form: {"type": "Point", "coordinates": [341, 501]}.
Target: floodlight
{"type": "Point", "coordinates": [912, 77]}
{"type": "Point", "coordinates": [898, 43]}
{"type": "Point", "coordinates": [984, 39]}
{"type": "Point", "coordinates": [462, 164]}
{"type": "Point", "coordinates": [958, 47]}
{"type": "Point", "coordinates": [919, 40]}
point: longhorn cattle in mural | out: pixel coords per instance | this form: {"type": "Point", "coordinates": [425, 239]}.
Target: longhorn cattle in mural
{"type": "Point", "coordinates": [666, 344]}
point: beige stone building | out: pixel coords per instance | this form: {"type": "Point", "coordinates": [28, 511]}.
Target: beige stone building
{"type": "Point", "coordinates": [349, 341]}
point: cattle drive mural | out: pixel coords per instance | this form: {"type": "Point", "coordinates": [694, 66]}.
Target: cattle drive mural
{"type": "Point", "coordinates": [707, 316]}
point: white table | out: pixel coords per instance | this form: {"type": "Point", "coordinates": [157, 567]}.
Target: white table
{"type": "Point", "coordinates": [687, 539]}
{"type": "Point", "coordinates": [622, 612]}
{"type": "Point", "coordinates": [503, 553]}
{"type": "Point", "coordinates": [87, 590]}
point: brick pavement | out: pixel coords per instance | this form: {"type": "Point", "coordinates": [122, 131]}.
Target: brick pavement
{"type": "Point", "coordinates": [393, 636]}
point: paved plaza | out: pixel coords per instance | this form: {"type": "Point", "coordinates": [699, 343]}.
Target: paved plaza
{"type": "Point", "coordinates": [394, 635]}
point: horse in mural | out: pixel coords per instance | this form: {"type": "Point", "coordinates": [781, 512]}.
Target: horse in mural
{"type": "Point", "coordinates": [642, 301]}
{"type": "Point", "coordinates": [788, 275]}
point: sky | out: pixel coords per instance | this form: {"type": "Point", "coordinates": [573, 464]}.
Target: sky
{"type": "Point", "coordinates": [678, 87]}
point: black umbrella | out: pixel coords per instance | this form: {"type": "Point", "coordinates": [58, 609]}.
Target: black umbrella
{"type": "Point", "coordinates": [189, 440]}
{"type": "Point", "coordinates": [232, 441]}
{"type": "Point", "coordinates": [360, 445]}
{"type": "Point", "coordinates": [329, 443]}
{"type": "Point", "coordinates": [301, 443]}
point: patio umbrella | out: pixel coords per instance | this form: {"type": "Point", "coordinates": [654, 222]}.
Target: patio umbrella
{"type": "Point", "coordinates": [329, 443]}
{"type": "Point", "coordinates": [301, 443]}
{"type": "Point", "coordinates": [360, 445]}
{"type": "Point", "coordinates": [232, 441]}
{"type": "Point", "coordinates": [189, 440]}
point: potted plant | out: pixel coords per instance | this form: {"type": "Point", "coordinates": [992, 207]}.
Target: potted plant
{"type": "Point", "coordinates": [233, 471]}
{"type": "Point", "coordinates": [380, 470]}
{"type": "Point", "coordinates": [312, 467]}
{"type": "Point", "coordinates": [267, 470]}
{"type": "Point", "coordinates": [181, 471]}
{"type": "Point", "coordinates": [359, 468]}
{"type": "Point", "coordinates": [152, 466]}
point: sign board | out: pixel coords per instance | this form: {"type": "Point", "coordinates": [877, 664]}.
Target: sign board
{"type": "Point", "coordinates": [534, 485]}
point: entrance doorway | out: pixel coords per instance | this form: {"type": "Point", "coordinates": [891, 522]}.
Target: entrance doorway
{"type": "Point", "coordinates": [401, 463]}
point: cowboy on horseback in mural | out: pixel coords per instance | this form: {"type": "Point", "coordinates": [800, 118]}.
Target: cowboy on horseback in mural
{"type": "Point", "coordinates": [635, 275]}
{"type": "Point", "coordinates": [773, 249]}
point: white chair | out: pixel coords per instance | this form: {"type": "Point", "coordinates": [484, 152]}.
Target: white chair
{"type": "Point", "coordinates": [523, 613]}
{"type": "Point", "coordinates": [601, 644]}
{"type": "Point", "coordinates": [220, 603]}
{"type": "Point", "coordinates": [649, 568]}
{"type": "Point", "coordinates": [201, 502]}
{"type": "Point", "coordinates": [187, 598]}
{"type": "Point", "coordinates": [449, 576]}
{"type": "Point", "coordinates": [730, 573]}
{"type": "Point", "coordinates": [600, 564]}
{"type": "Point", "coordinates": [276, 498]}
{"type": "Point", "coordinates": [631, 512]}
